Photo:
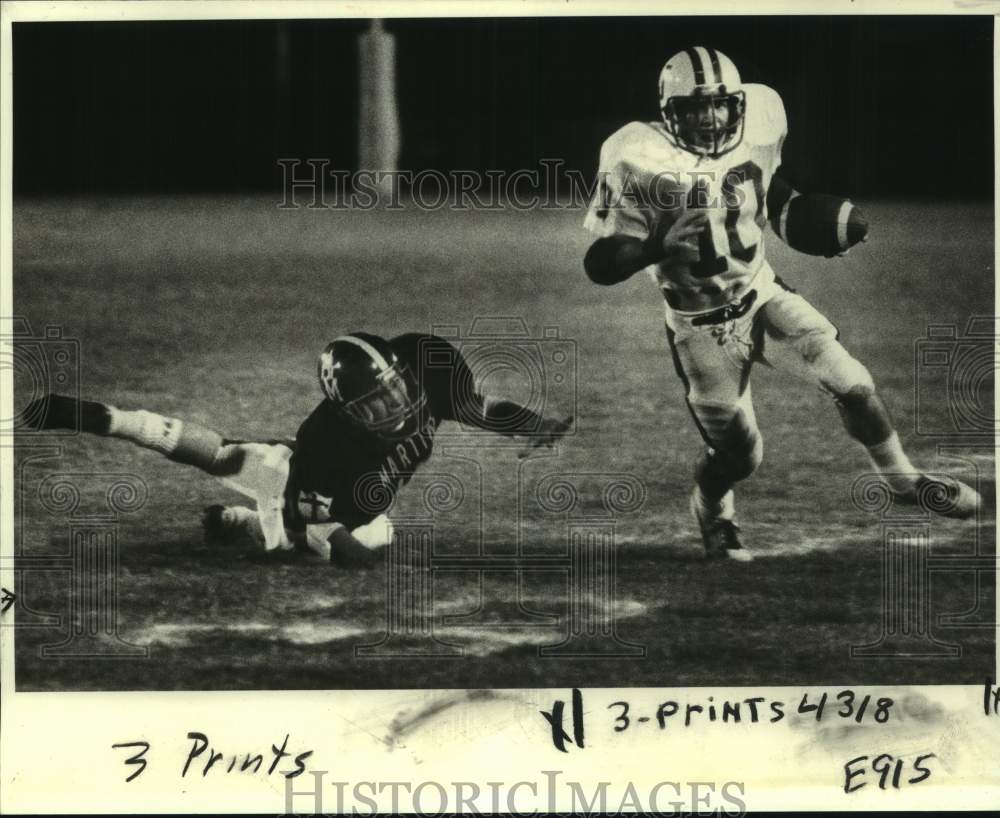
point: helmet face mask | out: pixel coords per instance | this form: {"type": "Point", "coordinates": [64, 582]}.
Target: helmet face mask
{"type": "Point", "coordinates": [702, 102]}
{"type": "Point", "coordinates": [387, 408]}
{"type": "Point", "coordinates": [363, 378]}
{"type": "Point", "coordinates": [706, 124]}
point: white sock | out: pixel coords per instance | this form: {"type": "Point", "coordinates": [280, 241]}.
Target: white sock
{"type": "Point", "coordinates": [891, 461]}
{"type": "Point", "coordinates": [146, 429]}
{"type": "Point", "coordinates": [189, 443]}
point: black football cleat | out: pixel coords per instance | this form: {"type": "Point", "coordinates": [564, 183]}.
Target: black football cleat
{"type": "Point", "coordinates": [719, 534]}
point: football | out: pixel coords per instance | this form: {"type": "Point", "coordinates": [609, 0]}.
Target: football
{"type": "Point", "coordinates": [821, 225]}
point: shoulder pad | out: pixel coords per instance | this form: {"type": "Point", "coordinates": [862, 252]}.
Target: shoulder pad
{"type": "Point", "coordinates": [643, 148]}
{"type": "Point", "coordinates": [628, 138]}
{"type": "Point", "coordinates": [766, 123]}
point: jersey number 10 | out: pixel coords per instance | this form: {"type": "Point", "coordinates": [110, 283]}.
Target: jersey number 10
{"type": "Point", "coordinates": [711, 263]}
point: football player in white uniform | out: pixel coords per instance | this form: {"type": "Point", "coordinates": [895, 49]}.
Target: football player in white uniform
{"type": "Point", "coordinates": [687, 198]}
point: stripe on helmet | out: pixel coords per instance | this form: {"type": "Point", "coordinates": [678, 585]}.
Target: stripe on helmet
{"type": "Point", "coordinates": [716, 67]}
{"type": "Point", "coordinates": [730, 73]}
{"type": "Point", "coordinates": [373, 353]}
{"type": "Point", "coordinates": [697, 65]}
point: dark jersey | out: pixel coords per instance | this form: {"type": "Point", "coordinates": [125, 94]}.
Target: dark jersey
{"type": "Point", "coordinates": [340, 472]}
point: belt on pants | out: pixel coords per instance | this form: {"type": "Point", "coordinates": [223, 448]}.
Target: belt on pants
{"type": "Point", "coordinates": [727, 313]}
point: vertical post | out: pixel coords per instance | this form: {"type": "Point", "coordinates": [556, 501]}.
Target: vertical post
{"type": "Point", "coordinates": [378, 123]}
{"type": "Point", "coordinates": [282, 87]}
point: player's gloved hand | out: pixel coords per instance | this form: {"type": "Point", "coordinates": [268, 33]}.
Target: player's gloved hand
{"type": "Point", "coordinates": [680, 243]}
{"type": "Point", "coordinates": [549, 432]}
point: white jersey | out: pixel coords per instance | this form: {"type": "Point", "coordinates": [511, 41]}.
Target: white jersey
{"type": "Point", "coordinates": [645, 181]}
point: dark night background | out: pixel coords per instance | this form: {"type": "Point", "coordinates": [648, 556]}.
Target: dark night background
{"type": "Point", "coordinates": [876, 105]}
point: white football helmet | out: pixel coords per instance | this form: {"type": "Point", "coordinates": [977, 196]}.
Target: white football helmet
{"type": "Point", "coordinates": [702, 101]}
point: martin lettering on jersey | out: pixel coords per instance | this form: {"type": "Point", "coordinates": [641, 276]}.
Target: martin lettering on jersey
{"type": "Point", "coordinates": [340, 472]}
{"type": "Point", "coordinates": [400, 462]}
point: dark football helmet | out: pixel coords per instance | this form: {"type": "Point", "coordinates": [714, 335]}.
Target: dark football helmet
{"type": "Point", "coordinates": [364, 378]}
{"type": "Point", "coordinates": [702, 101]}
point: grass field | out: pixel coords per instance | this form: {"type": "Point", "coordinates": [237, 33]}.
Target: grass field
{"type": "Point", "coordinates": [214, 309]}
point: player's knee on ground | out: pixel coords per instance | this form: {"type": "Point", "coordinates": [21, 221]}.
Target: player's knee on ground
{"type": "Point", "coordinates": [246, 521]}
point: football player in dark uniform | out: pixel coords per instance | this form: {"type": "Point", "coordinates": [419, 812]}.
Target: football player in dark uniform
{"type": "Point", "coordinates": [327, 491]}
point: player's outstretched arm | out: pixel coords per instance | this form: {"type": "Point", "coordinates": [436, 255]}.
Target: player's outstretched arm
{"type": "Point", "coordinates": [363, 547]}
{"type": "Point", "coordinates": [615, 258]}
{"type": "Point", "coordinates": [332, 542]}
{"type": "Point", "coordinates": [511, 419]}
{"type": "Point", "coordinates": [453, 394]}
{"type": "Point", "coordinates": [347, 551]}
